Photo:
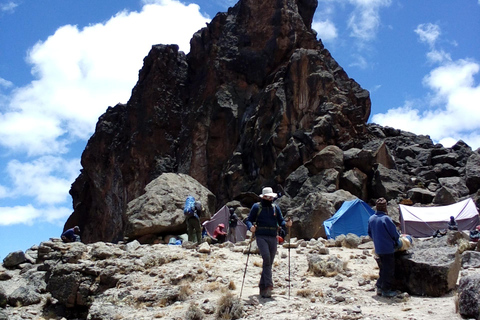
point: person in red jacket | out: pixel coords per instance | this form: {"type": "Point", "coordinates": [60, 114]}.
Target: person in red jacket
{"type": "Point", "coordinates": [219, 234]}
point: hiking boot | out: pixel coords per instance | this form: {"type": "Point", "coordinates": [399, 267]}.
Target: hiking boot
{"type": "Point", "coordinates": [268, 292]}
{"type": "Point", "coordinates": [379, 291]}
{"type": "Point", "coordinates": [263, 292]}
{"type": "Point", "coordinates": [389, 293]}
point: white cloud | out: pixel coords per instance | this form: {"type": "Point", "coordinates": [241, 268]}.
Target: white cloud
{"type": "Point", "coordinates": [19, 214]}
{"type": "Point", "coordinates": [450, 112]}
{"type": "Point", "coordinates": [428, 33]}
{"type": "Point", "coordinates": [30, 215]}
{"type": "Point", "coordinates": [359, 61]}
{"type": "Point", "coordinates": [8, 7]}
{"type": "Point", "coordinates": [5, 83]}
{"type": "Point", "coordinates": [365, 18]}
{"type": "Point", "coordinates": [438, 56]}
{"type": "Point", "coordinates": [326, 30]}
{"type": "Point", "coordinates": [80, 72]}
{"type": "Point", "coordinates": [46, 179]}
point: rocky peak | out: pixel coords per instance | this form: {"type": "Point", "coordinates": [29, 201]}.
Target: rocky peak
{"type": "Point", "coordinates": [256, 97]}
{"type": "Point", "coordinates": [258, 101]}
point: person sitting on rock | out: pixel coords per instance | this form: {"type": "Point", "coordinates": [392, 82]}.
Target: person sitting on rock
{"type": "Point", "coordinates": [219, 235]}
{"type": "Point", "coordinates": [452, 224]}
{"type": "Point", "coordinates": [71, 235]}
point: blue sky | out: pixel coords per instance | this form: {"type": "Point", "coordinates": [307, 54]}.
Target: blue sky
{"type": "Point", "coordinates": [63, 62]}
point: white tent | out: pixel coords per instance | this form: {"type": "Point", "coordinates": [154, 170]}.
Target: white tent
{"type": "Point", "coordinates": [222, 216]}
{"type": "Point", "coordinates": [424, 221]}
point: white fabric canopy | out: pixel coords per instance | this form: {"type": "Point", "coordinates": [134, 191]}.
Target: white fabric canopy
{"type": "Point", "coordinates": [424, 221]}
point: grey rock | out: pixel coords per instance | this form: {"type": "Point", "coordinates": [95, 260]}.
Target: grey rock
{"type": "Point", "coordinates": [3, 298]}
{"type": "Point", "coordinates": [355, 182]}
{"type": "Point", "coordinates": [132, 246]}
{"type": "Point", "coordinates": [419, 195]}
{"type": "Point", "coordinates": [469, 296]}
{"type": "Point", "coordinates": [359, 158]}
{"type": "Point", "coordinates": [456, 183]}
{"type": "Point", "coordinates": [450, 158]}
{"type": "Point", "coordinates": [430, 271]}
{"type": "Point", "coordinates": [24, 296]}
{"type": "Point", "coordinates": [388, 183]}
{"type": "Point", "coordinates": [445, 170]}
{"type": "Point", "coordinates": [324, 266]}
{"type": "Point", "coordinates": [331, 157]}
{"type": "Point", "coordinates": [160, 209]}
{"type": "Point", "coordinates": [315, 208]}
{"type": "Point", "coordinates": [471, 259]}
{"type": "Point", "coordinates": [13, 259]}
{"type": "Point", "coordinates": [472, 172]}
{"type": "Point", "coordinates": [445, 196]}
{"type": "Point", "coordinates": [102, 251]}
{"type": "Point", "coordinates": [351, 241]}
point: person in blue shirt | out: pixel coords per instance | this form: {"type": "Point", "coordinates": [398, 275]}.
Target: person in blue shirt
{"type": "Point", "coordinates": [71, 235]}
{"type": "Point", "coordinates": [385, 238]}
{"type": "Point", "coordinates": [263, 221]}
{"type": "Point", "coordinates": [452, 224]}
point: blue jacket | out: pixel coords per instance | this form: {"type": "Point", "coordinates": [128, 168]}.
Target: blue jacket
{"type": "Point", "coordinates": [383, 232]}
{"type": "Point", "coordinates": [267, 221]}
{"type": "Point", "coordinates": [69, 234]}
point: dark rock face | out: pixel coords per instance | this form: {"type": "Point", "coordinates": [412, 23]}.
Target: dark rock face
{"type": "Point", "coordinates": [257, 101]}
{"type": "Point", "coordinates": [256, 97]}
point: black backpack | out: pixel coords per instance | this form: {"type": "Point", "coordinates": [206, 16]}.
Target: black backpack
{"type": "Point", "coordinates": [232, 222]}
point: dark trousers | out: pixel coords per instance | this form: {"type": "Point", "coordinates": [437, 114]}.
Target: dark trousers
{"type": "Point", "coordinates": [267, 245]}
{"type": "Point", "coordinates": [386, 264]}
{"type": "Point", "coordinates": [194, 230]}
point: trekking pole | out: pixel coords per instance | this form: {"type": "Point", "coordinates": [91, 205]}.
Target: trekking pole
{"type": "Point", "coordinates": [246, 264]}
{"type": "Point", "coordinates": [289, 280]}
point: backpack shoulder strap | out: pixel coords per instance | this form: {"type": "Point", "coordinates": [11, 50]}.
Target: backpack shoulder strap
{"type": "Point", "coordinates": [258, 211]}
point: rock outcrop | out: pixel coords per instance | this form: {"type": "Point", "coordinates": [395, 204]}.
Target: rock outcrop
{"type": "Point", "coordinates": [160, 209]}
{"type": "Point", "coordinates": [258, 101]}
{"type": "Point", "coordinates": [257, 96]}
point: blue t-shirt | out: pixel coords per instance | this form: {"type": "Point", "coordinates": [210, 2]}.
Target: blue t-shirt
{"type": "Point", "coordinates": [383, 232]}
{"type": "Point", "coordinates": [267, 220]}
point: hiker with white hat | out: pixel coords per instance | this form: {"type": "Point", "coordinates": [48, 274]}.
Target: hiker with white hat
{"type": "Point", "coordinates": [263, 220]}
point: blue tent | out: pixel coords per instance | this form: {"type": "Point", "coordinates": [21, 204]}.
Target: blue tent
{"type": "Point", "coordinates": [352, 217]}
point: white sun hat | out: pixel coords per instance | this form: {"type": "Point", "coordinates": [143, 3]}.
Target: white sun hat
{"type": "Point", "coordinates": [268, 192]}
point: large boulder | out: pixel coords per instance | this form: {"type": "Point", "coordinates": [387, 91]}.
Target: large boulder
{"type": "Point", "coordinates": [331, 157]}
{"type": "Point", "coordinates": [313, 209]}
{"type": "Point", "coordinates": [420, 195]}
{"type": "Point", "coordinates": [456, 183]}
{"type": "Point", "coordinates": [160, 209]}
{"type": "Point", "coordinates": [388, 183]}
{"type": "Point", "coordinates": [355, 182]}
{"type": "Point", "coordinates": [445, 196]}
{"type": "Point", "coordinates": [469, 296]}
{"type": "Point", "coordinates": [24, 296]}
{"type": "Point", "coordinates": [429, 271]}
